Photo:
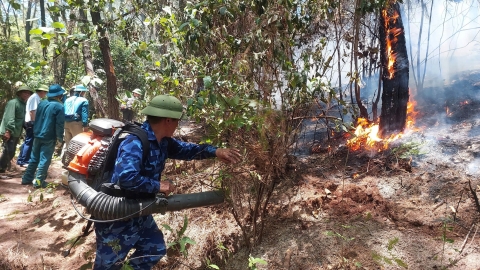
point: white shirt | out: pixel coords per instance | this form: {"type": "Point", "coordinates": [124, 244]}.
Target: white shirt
{"type": "Point", "coordinates": [32, 104]}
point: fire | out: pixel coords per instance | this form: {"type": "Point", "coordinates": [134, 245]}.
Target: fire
{"type": "Point", "coordinates": [391, 36]}
{"type": "Point", "coordinates": [411, 114]}
{"type": "Point", "coordinates": [448, 112]}
{"type": "Point", "coordinates": [463, 103]}
{"type": "Point", "coordinates": [367, 134]}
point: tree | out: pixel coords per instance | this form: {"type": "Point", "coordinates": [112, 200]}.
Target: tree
{"type": "Point", "coordinates": [395, 71]}
{"type": "Point", "coordinates": [104, 42]}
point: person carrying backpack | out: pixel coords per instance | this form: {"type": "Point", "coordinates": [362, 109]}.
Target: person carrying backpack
{"type": "Point", "coordinates": [48, 132]}
{"type": "Point", "coordinates": [142, 233]}
{"type": "Point", "coordinates": [76, 113]}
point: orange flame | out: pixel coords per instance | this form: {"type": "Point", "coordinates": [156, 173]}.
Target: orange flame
{"type": "Point", "coordinates": [391, 39]}
{"type": "Point", "coordinates": [366, 134]}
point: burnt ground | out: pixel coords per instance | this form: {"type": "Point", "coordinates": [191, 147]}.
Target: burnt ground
{"type": "Point", "coordinates": [410, 206]}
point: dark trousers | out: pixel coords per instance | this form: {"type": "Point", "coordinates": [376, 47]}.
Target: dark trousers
{"type": "Point", "coordinates": [40, 160]}
{"type": "Point", "coordinates": [127, 115]}
{"type": "Point", "coordinates": [8, 152]}
{"type": "Point", "coordinates": [26, 148]}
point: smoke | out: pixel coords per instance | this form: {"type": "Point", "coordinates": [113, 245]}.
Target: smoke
{"type": "Point", "coordinates": [453, 42]}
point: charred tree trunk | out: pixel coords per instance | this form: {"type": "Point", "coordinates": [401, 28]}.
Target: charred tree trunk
{"type": "Point", "coordinates": [395, 71]}
{"type": "Point", "coordinates": [112, 108]}
{"type": "Point", "coordinates": [88, 64]}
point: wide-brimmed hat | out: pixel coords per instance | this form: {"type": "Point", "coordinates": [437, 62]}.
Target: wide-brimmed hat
{"type": "Point", "coordinates": [164, 106]}
{"type": "Point", "coordinates": [42, 87]}
{"type": "Point", "coordinates": [24, 88]}
{"type": "Point", "coordinates": [80, 88]}
{"type": "Point", "coordinates": [137, 91]}
{"type": "Point", "coordinates": [55, 90]}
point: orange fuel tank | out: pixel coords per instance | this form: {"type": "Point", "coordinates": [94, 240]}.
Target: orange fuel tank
{"type": "Point", "coordinates": [83, 157]}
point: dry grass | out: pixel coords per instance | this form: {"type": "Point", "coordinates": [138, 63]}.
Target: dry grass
{"type": "Point", "coordinates": [12, 259]}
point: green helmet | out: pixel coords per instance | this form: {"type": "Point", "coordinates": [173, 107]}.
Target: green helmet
{"type": "Point", "coordinates": [137, 91]}
{"type": "Point", "coordinates": [42, 87]}
{"type": "Point", "coordinates": [164, 106]}
{"type": "Point", "coordinates": [24, 88]}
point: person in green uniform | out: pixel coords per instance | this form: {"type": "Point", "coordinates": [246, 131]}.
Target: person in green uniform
{"type": "Point", "coordinates": [12, 125]}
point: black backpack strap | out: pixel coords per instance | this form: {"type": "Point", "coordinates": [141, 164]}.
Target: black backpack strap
{"type": "Point", "coordinates": [143, 136]}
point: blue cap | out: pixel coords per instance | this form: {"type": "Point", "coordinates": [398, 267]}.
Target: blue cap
{"type": "Point", "coordinates": [80, 88]}
{"type": "Point", "coordinates": [55, 90]}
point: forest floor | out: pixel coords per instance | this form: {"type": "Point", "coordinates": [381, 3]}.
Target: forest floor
{"type": "Point", "coordinates": [343, 210]}
{"type": "Point", "coordinates": [411, 206]}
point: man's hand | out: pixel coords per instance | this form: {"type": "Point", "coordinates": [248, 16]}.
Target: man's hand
{"type": "Point", "coordinates": [86, 129]}
{"type": "Point", "coordinates": [6, 136]}
{"type": "Point", "coordinates": [228, 155]}
{"type": "Point", "coordinates": [59, 144]}
{"type": "Point", "coordinates": [167, 187]}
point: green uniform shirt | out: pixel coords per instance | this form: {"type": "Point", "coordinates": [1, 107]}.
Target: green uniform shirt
{"type": "Point", "coordinates": [13, 117]}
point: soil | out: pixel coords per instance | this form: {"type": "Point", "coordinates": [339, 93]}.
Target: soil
{"type": "Point", "coordinates": [412, 206]}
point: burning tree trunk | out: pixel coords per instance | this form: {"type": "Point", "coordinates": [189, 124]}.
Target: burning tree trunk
{"type": "Point", "coordinates": [395, 71]}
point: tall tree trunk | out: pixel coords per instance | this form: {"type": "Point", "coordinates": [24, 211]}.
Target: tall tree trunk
{"type": "Point", "coordinates": [28, 24]}
{"type": "Point", "coordinates": [59, 62]}
{"type": "Point", "coordinates": [420, 86]}
{"type": "Point", "coordinates": [363, 109]}
{"type": "Point", "coordinates": [112, 108]}
{"type": "Point", "coordinates": [338, 23]}
{"type": "Point", "coordinates": [43, 24]}
{"type": "Point", "coordinates": [395, 71]}
{"type": "Point", "coordinates": [88, 64]}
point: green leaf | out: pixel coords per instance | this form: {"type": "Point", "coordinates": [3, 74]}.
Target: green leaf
{"type": "Point", "coordinates": [54, 9]}
{"type": "Point", "coordinates": [223, 10]}
{"type": "Point", "coordinates": [143, 46]}
{"type": "Point", "coordinates": [212, 98]}
{"type": "Point", "coordinates": [183, 26]}
{"type": "Point", "coordinates": [167, 227]}
{"type": "Point", "coordinates": [258, 260]}
{"type": "Point", "coordinates": [401, 263]}
{"type": "Point", "coordinates": [127, 267]}
{"type": "Point", "coordinates": [35, 31]}
{"type": "Point", "coordinates": [207, 82]}
{"type": "Point", "coordinates": [213, 266]}
{"type": "Point", "coordinates": [329, 233]}
{"type": "Point", "coordinates": [58, 25]}
{"type": "Point", "coordinates": [184, 227]}
{"type": "Point", "coordinates": [392, 243]}
{"type": "Point", "coordinates": [14, 5]}
{"type": "Point", "coordinates": [37, 220]}
{"type": "Point", "coordinates": [196, 22]}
